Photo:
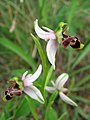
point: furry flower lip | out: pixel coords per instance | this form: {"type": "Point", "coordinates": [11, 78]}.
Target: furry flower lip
{"type": "Point", "coordinates": [74, 42]}
{"type": "Point", "coordinates": [54, 37]}
{"type": "Point", "coordinates": [58, 86]}
{"type": "Point", "coordinates": [25, 85]}
{"type": "Point", "coordinates": [12, 91]}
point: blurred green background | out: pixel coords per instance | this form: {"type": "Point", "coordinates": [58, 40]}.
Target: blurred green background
{"type": "Point", "coordinates": [19, 53]}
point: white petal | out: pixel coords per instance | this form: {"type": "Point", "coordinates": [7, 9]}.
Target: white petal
{"type": "Point", "coordinates": [43, 34]}
{"type": "Point", "coordinates": [34, 93]}
{"type": "Point", "coordinates": [36, 74]}
{"type": "Point", "coordinates": [29, 79]}
{"type": "Point", "coordinates": [64, 89]}
{"type": "Point", "coordinates": [67, 99]}
{"type": "Point", "coordinates": [48, 29]}
{"type": "Point", "coordinates": [61, 80]}
{"type": "Point", "coordinates": [28, 76]}
{"type": "Point", "coordinates": [51, 51]}
{"type": "Point", "coordinates": [50, 89]}
{"type": "Point", "coordinates": [24, 75]}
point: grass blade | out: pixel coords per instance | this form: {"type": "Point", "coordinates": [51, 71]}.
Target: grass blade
{"type": "Point", "coordinates": [32, 108]}
{"type": "Point", "coordinates": [62, 116]}
{"type": "Point", "coordinates": [16, 49]}
{"type": "Point", "coordinates": [83, 81]}
{"type": "Point", "coordinates": [82, 113]}
{"type": "Point", "coordinates": [50, 102]}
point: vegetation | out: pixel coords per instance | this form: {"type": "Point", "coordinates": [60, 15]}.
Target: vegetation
{"type": "Point", "coordinates": [21, 51]}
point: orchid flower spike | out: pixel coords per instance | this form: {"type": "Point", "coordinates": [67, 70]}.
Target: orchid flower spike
{"type": "Point", "coordinates": [50, 36]}
{"type": "Point", "coordinates": [29, 88]}
{"type": "Point", "coordinates": [58, 85]}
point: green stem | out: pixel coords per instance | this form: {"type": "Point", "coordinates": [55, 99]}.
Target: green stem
{"type": "Point", "coordinates": [48, 76]}
{"type": "Point", "coordinates": [50, 102]}
{"type": "Point", "coordinates": [32, 108]}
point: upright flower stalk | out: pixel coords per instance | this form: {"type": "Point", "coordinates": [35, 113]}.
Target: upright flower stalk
{"type": "Point", "coordinates": [58, 85]}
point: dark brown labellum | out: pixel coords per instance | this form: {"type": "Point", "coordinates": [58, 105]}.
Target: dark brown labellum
{"type": "Point", "coordinates": [74, 42]}
{"type": "Point", "coordinates": [8, 97]}
{"type": "Point", "coordinates": [66, 41]}
{"type": "Point", "coordinates": [12, 91]}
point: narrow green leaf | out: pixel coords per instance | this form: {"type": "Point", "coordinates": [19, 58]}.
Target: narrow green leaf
{"type": "Point", "coordinates": [71, 14]}
{"type": "Point", "coordinates": [52, 115]}
{"type": "Point", "coordinates": [40, 3]}
{"type": "Point", "coordinates": [81, 70]}
{"type": "Point", "coordinates": [75, 114]}
{"type": "Point", "coordinates": [48, 76]}
{"type": "Point", "coordinates": [16, 49]}
{"type": "Point", "coordinates": [32, 108]}
{"type": "Point", "coordinates": [83, 81]}
{"type": "Point", "coordinates": [62, 116]}
{"type": "Point", "coordinates": [40, 50]}
{"type": "Point", "coordinates": [82, 113]}
{"type": "Point", "coordinates": [81, 99]}
{"type": "Point", "coordinates": [50, 102]}
{"type": "Point", "coordinates": [21, 109]}
{"type": "Point", "coordinates": [85, 87]}
{"type": "Point", "coordinates": [72, 10]}
{"type": "Point", "coordinates": [43, 58]}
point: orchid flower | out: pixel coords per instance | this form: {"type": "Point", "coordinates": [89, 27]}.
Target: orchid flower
{"type": "Point", "coordinates": [58, 85]}
{"type": "Point", "coordinates": [49, 36]}
{"type": "Point", "coordinates": [24, 85]}
{"type": "Point", "coordinates": [29, 88]}
{"type": "Point", "coordinates": [53, 38]}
